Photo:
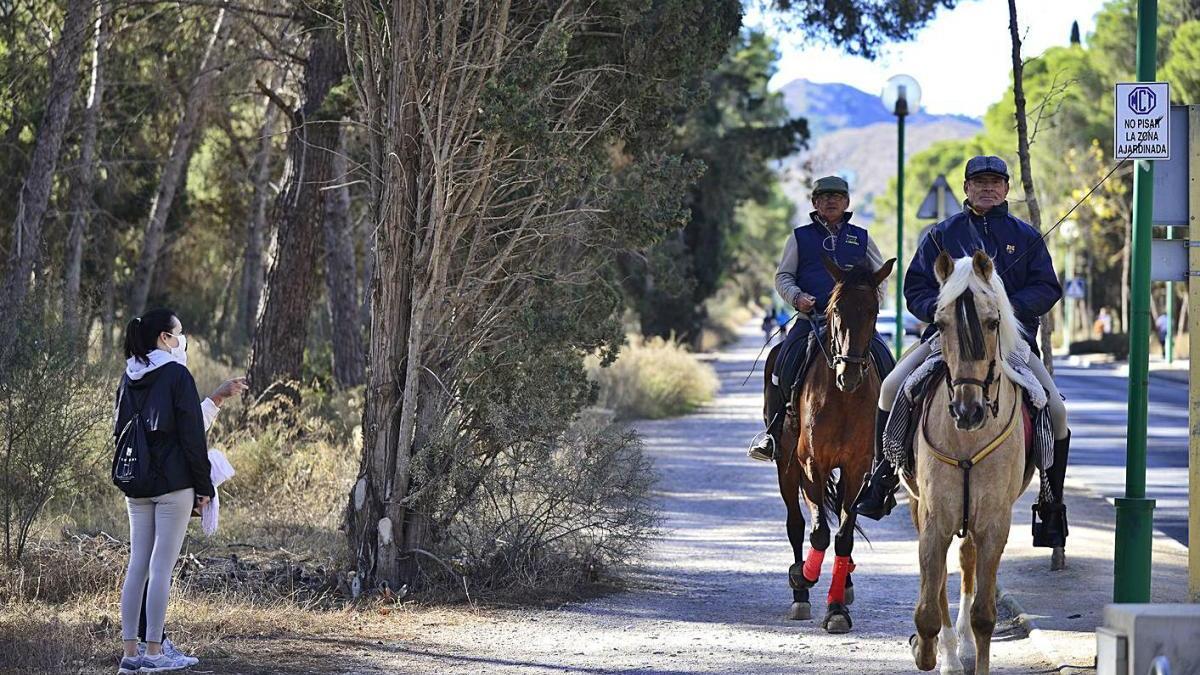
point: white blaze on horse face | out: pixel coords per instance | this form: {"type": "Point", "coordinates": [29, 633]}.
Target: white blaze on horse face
{"type": "Point", "coordinates": [967, 296]}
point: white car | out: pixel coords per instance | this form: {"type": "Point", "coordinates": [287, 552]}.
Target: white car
{"type": "Point", "coordinates": [886, 325]}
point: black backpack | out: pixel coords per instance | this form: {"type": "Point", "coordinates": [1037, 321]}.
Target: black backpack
{"type": "Point", "coordinates": [131, 466]}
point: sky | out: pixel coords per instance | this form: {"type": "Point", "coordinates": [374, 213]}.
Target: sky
{"type": "Point", "coordinates": [962, 59]}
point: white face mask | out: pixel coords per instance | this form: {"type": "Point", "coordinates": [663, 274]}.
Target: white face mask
{"type": "Point", "coordinates": [180, 352]}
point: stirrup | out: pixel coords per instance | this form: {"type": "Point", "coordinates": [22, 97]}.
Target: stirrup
{"type": "Point", "coordinates": [877, 499]}
{"type": "Point", "coordinates": [762, 448]}
{"type": "Point", "coordinates": [1050, 525]}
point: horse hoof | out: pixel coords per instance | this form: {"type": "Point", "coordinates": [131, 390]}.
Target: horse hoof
{"type": "Point", "coordinates": [837, 620]}
{"type": "Point", "coordinates": [800, 611]}
{"type": "Point", "coordinates": [925, 659]}
{"type": "Point", "coordinates": [1058, 559]}
{"type": "Point", "coordinates": [848, 599]}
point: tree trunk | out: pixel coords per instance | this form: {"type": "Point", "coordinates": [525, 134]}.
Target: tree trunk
{"type": "Point", "coordinates": [252, 258]}
{"type": "Point", "coordinates": [81, 194]}
{"type": "Point", "coordinates": [375, 517]}
{"type": "Point", "coordinates": [277, 351]}
{"type": "Point", "coordinates": [173, 171]}
{"type": "Point", "coordinates": [340, 278]}
{"type": "Point", "coordinates": [35, 191]}
{"type": "Point", "coordinates": [1035, 210]}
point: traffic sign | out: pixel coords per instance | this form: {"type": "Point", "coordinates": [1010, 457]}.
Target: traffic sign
{"type": "Point", "coordinates": [940, 202]}
{"type": "Point", "coordinates": [1075, 289]}
{"type": "Point", "coordinates": [1141, 129]}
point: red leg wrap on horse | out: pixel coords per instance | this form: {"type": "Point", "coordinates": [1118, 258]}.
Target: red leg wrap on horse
{"type": "Point", "coordinates": [842, 567]}
{"type": "Point", "coordinates": [812, 564]}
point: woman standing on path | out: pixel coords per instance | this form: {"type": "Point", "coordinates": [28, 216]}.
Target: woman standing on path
{"type": "Point", "coordinates": [158, 387]}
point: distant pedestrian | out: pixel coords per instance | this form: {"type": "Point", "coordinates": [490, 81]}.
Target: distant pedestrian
{"type": "Point", "coordinates": [1104, 323]}
{"type": "Point", "coordinates": [1162, 326]}
{"type": "Point", "coordinates": [768, 323]}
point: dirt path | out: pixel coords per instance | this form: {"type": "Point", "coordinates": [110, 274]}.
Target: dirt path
{"type": "Point", "coordinates": [711, 596]}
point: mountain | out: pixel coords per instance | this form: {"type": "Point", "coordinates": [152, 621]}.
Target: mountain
{"type": "Point", "coordinates": [854, 136]}
{"type": "Point", "coordinates": [832, 106]}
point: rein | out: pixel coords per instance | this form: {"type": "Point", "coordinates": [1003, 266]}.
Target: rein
{"type": "Point", "coordinates": [967, 464]}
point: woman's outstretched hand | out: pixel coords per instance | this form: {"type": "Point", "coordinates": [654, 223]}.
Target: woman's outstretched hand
{"type": "Point", "coordinates": [229, 389]}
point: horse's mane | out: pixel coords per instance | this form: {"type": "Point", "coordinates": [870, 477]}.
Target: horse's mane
{"type": "Point", "coordinates": [964, 279]}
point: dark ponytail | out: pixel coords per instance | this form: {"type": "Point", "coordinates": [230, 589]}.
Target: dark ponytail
{"type": "Point", "coordinates": [141, 335]}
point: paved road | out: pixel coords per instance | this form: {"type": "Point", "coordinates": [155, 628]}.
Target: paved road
{"type": "Point", "coordinates": [1096, 400]}
{"type": "Point", "coordinates": [711, 595]}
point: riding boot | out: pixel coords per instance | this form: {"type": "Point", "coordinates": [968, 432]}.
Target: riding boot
{"type": "Point", "coordinates": [1052, 531]}
{"type": "Point", "coordinates": [878, 496]}
{"type": "Point", "coordinates": [765, 446]}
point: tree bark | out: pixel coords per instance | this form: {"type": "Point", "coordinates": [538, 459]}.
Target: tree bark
{"type": "Point", "coordinates": [1031, 201]}
{"type": "Point", "coordinates": [340, 277]}
{"type": "Point", "coordinates": [173, 171]}
{"type": "Point", "coordinates": [374, 517]}
{"type": "Point", "coordinates": [277, 352]}
{"type": "Point", "coordinates": [81, 194]}
{"type": "Point", "coordinates": [252, 258]}
{"type": "Point", "coordinates": [39, 180]}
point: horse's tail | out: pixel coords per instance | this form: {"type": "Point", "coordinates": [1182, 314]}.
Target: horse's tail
{"type": "Point", "coordinates": [835, 494]}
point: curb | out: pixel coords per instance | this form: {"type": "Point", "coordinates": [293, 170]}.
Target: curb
{"type": "Point", "coordinates": [1040, 640]}
{"type": "Point", "coordinates": [1029, 624]}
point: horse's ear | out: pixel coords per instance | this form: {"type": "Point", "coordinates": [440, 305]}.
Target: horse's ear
{"type": "Point", "coordinates": [943, 267]}
{"type": "Point", "coordinates": [982, 263]}
{"type": "Point", "coordinates": [884, 272]}
{"type": "Point", "coordinates": [832, 268]}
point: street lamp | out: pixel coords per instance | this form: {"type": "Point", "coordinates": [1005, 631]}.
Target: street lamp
{"type": "Point", "coordinates": [901, 95]}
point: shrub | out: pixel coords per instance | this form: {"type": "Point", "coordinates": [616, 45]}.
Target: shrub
{"type": "Point", "coordinates": [552, 516]}
{"type": "Point", "coordinates": [654, 379]}
{"type": "Point", "coordinates": [52, 406]}
{"type": "Point", "coordinates": [1116, 344]}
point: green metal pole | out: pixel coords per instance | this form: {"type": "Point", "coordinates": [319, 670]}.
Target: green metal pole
{"type": "Point", "coordinates": [1169, 349]}
{"type": "Point", "coordinates": [1135, 513]}
{"type": "Point", "coordinates": [899, 236]}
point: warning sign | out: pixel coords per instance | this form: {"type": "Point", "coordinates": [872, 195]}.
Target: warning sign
{"type": "Point", "coordinates": [1141, 129]}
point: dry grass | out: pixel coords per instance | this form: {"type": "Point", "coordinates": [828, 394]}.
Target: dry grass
{"type": "Point", "coordinates": [653, 379]}
{"type": "Point", "coordinates": [269, 593]}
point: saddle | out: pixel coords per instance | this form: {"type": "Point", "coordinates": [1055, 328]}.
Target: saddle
{"type": "Point", "coordinates": [792, 365]}
{"type": "Point", "coordinates": [915, 400]}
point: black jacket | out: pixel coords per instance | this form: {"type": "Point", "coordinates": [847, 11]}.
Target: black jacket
{"type": "Point", "coordinates": [174, 428]}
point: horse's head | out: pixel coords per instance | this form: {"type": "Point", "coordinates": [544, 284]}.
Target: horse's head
{"type": "Point", "coordinates": [853, 307]}
{"type": "Point", "coordinates": [977, 327]}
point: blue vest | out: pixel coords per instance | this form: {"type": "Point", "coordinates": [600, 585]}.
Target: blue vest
{"type": "Point", "coordinates": [849, 247]}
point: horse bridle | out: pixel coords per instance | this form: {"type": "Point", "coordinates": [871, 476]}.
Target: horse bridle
{"type": "Point", "coordinates": [832, 360]}
{"type": "Point", "coordinates": [985, 385]}
{"type": "Point", "coordinates": [971, 345]}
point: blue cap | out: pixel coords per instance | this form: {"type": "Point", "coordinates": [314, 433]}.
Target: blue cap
{"type": "Point", "coordinates": [986, 164]}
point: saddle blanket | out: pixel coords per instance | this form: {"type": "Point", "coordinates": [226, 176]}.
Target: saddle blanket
{"type": "Point", "coordinates": [898, 438]}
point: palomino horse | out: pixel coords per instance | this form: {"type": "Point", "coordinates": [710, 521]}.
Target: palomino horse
{"type": "Point", "coordinates": [970, 463]}
{"type": "Point", "coordinates": [829, 427]}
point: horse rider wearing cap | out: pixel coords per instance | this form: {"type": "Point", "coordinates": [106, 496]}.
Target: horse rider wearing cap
{"type": "Point", "coordinates": [803, 281]}
{"type": "Point", "coordinates": [1028, 273]}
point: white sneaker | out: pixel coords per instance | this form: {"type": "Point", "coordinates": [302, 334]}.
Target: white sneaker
{"type": "Point", "coordinates": [161, 664]}
{"type": "Point", "coordinates": [171, 650]}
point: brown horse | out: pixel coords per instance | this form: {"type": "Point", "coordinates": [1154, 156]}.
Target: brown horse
{"type": "Point", "coordinates": [830, 427]}
{"type": "Point", "coordinates": [970, 465]}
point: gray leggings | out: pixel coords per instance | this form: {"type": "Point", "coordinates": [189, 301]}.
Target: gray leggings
{"type": "Point", "coordinates": [157, 526]}
{"type": "Point", "coordinates": [1054, 403]}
